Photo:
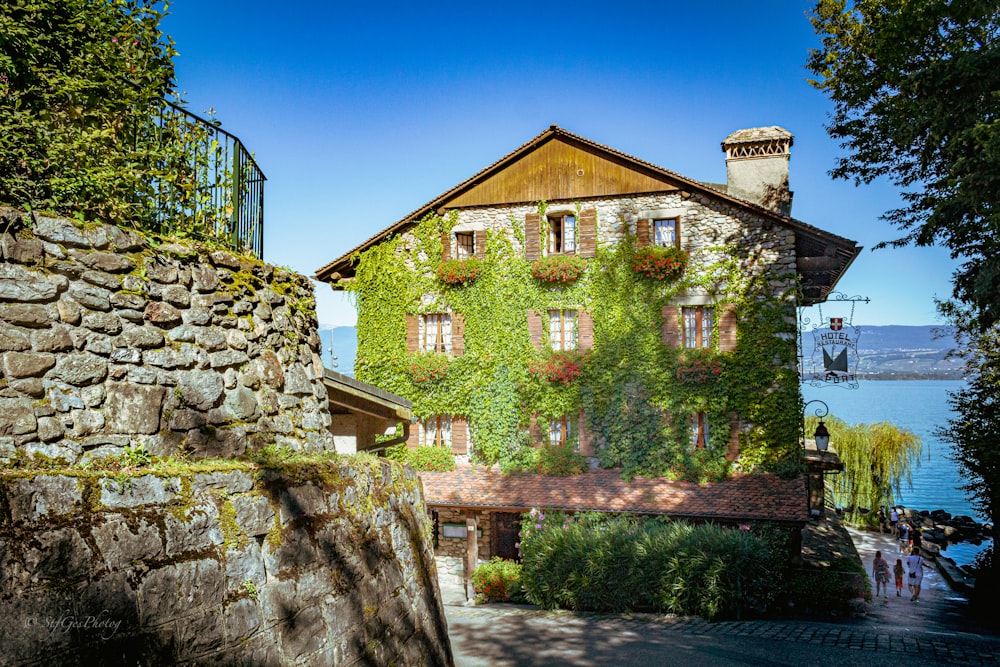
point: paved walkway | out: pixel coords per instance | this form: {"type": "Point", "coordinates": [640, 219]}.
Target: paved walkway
{"type": "Point", "coordinates": [936, 630]}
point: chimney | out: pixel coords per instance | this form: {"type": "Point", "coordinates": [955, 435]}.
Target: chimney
{"type": "Point", "coordinates": [757, 166]}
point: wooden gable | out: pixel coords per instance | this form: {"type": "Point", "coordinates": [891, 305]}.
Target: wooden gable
{"type": "Point", "coordinates": [557, 170]}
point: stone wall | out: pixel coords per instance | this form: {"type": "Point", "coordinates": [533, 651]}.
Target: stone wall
{"type": "Point", "coordinates": [108, 341]}
{"type": "Point", "coordinates": [301, 563]}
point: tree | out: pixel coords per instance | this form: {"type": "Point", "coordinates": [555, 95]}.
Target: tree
{"type": "Point", "coordinates": [878, 460]}
{"type": "Point", "coordinates": [80, 81]}
{"type": "Point", "coordinates": [915, 88]}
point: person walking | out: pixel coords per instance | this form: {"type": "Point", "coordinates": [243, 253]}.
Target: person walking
{"type": "Point", "coordinates": [899, 571]}
{"type": "Point", "coordinates": [894, 521]}
{"type": "Point", "coordinates": [881, 519]}
{"type": "Point", "coordinates": [904, 537]}
{"type": "Point", "coordinates": [915, 566]}
{"type": "Point", "coordinates": [880, 572]}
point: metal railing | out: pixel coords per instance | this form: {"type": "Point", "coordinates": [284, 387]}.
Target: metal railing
{"type": "Point", "coordinates": [203, 183]}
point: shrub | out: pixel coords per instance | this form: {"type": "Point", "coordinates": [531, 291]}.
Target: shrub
{"type": "Point", "coordinates": [428, 366]}
{"type": "Point", "coordinates": [695, 367]}
{"type": "Point", "coordinates": [660, 263]}
{"type": "Point", "coordinates": [561, 269]}
{"type": "Point", "coordinates": [562, 367]}
{"type": "Point", "coordinates": [431, 459]}
{"type": "Point", "coordinates": [498, 581]}
{"type": "Point", "coordinates": [459, 271]}
{"type": "Point", "coordinates": [560, 461]}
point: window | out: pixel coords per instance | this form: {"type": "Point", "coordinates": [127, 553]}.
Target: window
{"type": "Point", "coordinates": [665, 233]}
{"type": "Point", "coordinates": [562, 234]}
{"type": "Point", "coordinates": [436, 432]}
{"type": "Point", "coordinates": [559, 430]}
{"type": "Point", "coordinates": [562, 329]}
{"type": "Point", "coordinates": [435, 333]}
{"type": "Point", "coordinates": [465, 245]}
{"type": "Point", "coordinates": [699, 430]}
{"type": "Point", "coordinates": [697, 329]}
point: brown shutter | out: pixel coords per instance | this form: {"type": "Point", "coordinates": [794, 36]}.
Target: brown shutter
{"type": "Point", "coordinates": [585, 330]}
{"type": "Point", "coordinates": [584, 437]}
{"type": "Point", "coordinates": [413, 440]}
{"type": "Point", "coordinates": [734, 437]}
{"type": "Point", "coordinates": [671, 327]}
{"type": "Point", "coordinates": [677, 232]}
{"type": "Point", "coordinates": [457, 334]}
{"type": "Point", "coordinates": [412, 333]}
{"type": "Point", "coordinates": [445, 246]}
{"type": "Point", "coordinates": [535, 329]}
{"type": "Point", "coordinates": [479, 239]}
{"type": "Point", "coordinates": [588, 232]}
{"type": "Point", "coordinates": [727, 327]}
{"type": "Point", "coordinates": [534, 431]}
{"type": "Point", "coordinates": [532, 237]}
{"type": "Point", "coordinates": [459, 436]}
{"type": "Point", "coordinates": [642, 232]}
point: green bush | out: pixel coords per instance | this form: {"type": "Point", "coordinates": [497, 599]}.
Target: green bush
{"type": "Point", "coordinates": [623, 563]}
{"type": "Point", "coordinates": [432, 459]}
{"type": "Point", "coordinates": [560, 460]}
{"type": "Point", "coordinates": [498, 581]}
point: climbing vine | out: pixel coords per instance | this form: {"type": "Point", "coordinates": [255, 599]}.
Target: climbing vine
{"type": "Point", "coordinates": [637, 393]}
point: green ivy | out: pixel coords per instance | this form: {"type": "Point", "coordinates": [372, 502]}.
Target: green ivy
{"type": "Point", "coordinates": [628, 386]}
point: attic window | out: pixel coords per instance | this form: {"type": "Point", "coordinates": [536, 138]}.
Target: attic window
{"type": "Point", "coordinates": [562, 234]}
{"type": "Point", "coordinates": [465, 245]}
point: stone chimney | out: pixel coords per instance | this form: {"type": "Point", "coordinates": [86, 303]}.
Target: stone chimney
{"type": "Point", "coordinates": [757, 166]}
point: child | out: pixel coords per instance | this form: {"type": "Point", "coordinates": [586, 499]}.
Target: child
{"type": "Point", "coordinates": [880, 571]}
{"type": "Point", "coordinates": [897, 570]}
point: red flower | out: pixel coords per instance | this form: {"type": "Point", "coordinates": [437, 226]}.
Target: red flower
{"type": "Point", "coordinates": [659, 263]}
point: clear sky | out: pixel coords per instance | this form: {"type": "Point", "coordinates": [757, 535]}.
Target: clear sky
{"type": "Point", "coordinates": [359, 113]}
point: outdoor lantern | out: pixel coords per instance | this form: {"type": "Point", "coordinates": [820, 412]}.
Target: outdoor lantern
{"type": "Point", "coordinates": [822, 437]}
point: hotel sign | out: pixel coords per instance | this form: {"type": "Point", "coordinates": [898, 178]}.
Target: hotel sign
{"type": "Point", "coordinates": [838, 346]}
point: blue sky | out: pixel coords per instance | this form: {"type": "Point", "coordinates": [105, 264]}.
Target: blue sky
{"type": "Point", "coordinates": [359, 113]}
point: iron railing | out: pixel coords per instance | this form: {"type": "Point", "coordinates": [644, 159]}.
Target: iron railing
{"type": "Point", "coordinates": [203, 183]}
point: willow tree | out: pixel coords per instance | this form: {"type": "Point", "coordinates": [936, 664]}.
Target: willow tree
{"type": "Point", "coordinates": [878, 459]}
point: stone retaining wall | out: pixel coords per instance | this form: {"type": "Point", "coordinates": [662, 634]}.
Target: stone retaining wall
{"type": "Point", "coordinates": [107, 341]}
{"type": "Point", "coordinates": [319, 563]}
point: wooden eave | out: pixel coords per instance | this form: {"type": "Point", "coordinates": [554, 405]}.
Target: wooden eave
{"type": "Point", "coordinates": [570, 167]}
{"type": "Point", "coordinates": [347, 395]}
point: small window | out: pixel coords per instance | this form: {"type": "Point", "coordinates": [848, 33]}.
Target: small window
{"type": "Point", "coordinates": [562, 329]}
{"type": "Point", "coordinates": [435, 333]}
{"type": "Point", "coordinates": [465, 245]}
{"type": "Point", "coordinates": [697, 326]}
{"type": "Point", "coordinates": [436, 432]}
{"type": "Point", "coordinates": [562, 234]}
{"type": "Point", "coordinates": [665, 233]}
{"type": "Point", "coordinates": [699, 430]}
{"type": "Point", "coordinates": [559, 430]}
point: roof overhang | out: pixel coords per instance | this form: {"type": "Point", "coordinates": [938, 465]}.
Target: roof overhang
{"type": "Point", "coordinates": [352, 396]}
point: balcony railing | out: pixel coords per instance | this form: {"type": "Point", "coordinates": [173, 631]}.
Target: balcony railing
{"type": "Point", "coordinates": [204, 184]}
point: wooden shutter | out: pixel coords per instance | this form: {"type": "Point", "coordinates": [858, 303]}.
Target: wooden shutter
{"type": "Point", "coordinates": [445, 246]}
{"type": "Point", "coordinates": [677, 231]}
{"type": "Point", "coordinates": [727, 327]}
{"type": "Point", "coordinates": [457, 334]}
{"type": "Point", "coordinates": [479, 239]}
{"type": "Point", "coordinates": [535, 328]}
{"type": "Point", "coordinates": [588, 233]}
{"type": "Point", "coordinates": [642, 232]}
{"type": "Point", "coordinates": [534, 431]}
{"type": "Point", "coordinates": [532, 237]}
{"type": "Point", "coordinates": [459, 436]}
{"type": "Point", "coordinates": [412, 333]}
{"type": "Point", "coordinates": [584, 437]}
{"type": "Point", "coordinates": [733, 452]}
{"type": "Point", "coordinates": [413, 440]}
{"type": "Point", "coordinates": [671, 327]}
{"type": "Point", "coordinates": [585, 330]}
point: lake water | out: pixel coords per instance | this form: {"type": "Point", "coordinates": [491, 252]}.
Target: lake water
{"type": "Point", "coordinates": [919, 406]}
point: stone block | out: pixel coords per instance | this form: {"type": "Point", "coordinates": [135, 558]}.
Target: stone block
{"type": "Point", "coordinates": [242, 565]}
{"type": "Point", "coordinates": [105, 323]}
{"type": "Point", "coordinates": [58, 555]}
{"type": "Point", "coordinates": [133, 408]}
{"type": "Point", "coordinates": [43, 495]}
{"type": "Point", "coordinates": [176, 295]}
{"type": "Point", "coordinates": [120, 545]}
{"type": "Point", "coordinates": [162, 314]}
{"type": "Point", "coordinates": [80, 369]}
{"type": "Point", "coordinates": [232, 481]}
{"type": "Point", "coordinates": [19, 283]}
{"type": "Point", "coordinates": [242, 620]}
{"type": "Point", "coordinates": [87, 422]}
{"type": "Point", "coordinates": [241, 405]}
{"type": "Point", "coordinates": [50, 429]}
{"type": "Point", "coordinates": [141, 337]}
{"type": "Point", "coordinates": [101, 279]}
{"type": "Point", "coordinates": [12, 339]}
{"type": "Point", "coordinates": [138, 491]}
{"type": "Point", "coordinates": [16, 417]}
{"type": "Point", "coordinates": [69, 311]}
{"type": "Point", "coordinates": [201, 390]}
{"type": "Point", "coordinates": [254, 514]}
{"type": "Point", "coordinates": [27, 364]}
{"type": "Point", "coordinates": [106, 262]}
{"type": "Point", "coordinates": [197, 529]}
{"type": "Point", "coordinates": [54, 339]}
{"type": "Point", "coordinates": [60, 231]}
{"type": "Point", "coordinates": [30, 315]}
{"type": "Point", "coordinates": [191, 588]}
{"type": "Point", "coordinates": [90, 296]}
{"type": "Point", "coordinates": [227, 358]}
{"type": "Point", "coordinates": [61, 396]}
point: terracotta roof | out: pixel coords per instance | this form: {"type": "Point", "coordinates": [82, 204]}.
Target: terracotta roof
{"type": "Point", "coordinates": [763, 497]}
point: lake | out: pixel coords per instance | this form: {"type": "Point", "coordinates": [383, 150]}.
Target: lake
{"type": "Point", "coordinates": [919, 406]}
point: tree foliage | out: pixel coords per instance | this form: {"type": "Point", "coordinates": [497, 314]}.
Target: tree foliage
{"type": "Point", "coordinates": [916, 88]}
{"type": "Point", "coordinates": [79, 80]}
{"type": "Point", "coordinates": [878, 460]}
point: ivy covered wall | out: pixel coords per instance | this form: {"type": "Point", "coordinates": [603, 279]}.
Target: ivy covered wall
{"type": "Point", "coordinates": [636, 391]}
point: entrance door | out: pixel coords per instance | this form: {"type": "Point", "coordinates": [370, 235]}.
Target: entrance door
{"type": "Point", "coordinates": [506, 534]}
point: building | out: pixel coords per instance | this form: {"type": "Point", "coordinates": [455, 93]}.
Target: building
{"type": "Point", "coordinates": [572, 297]}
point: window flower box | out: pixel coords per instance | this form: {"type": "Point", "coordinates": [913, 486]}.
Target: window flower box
{"type": "Point", "coordinates": [558, 367]}
{"type": "Point", "coordinates": [459, 272]}
{"type": "Point", "coordinates": [660, 263]}
{"type": "Point", "coordinates": [698, 369]}
{"type": "Point", "coordinates": [428, 367]}
{"type": "Point", "coordinates": [558, 269]}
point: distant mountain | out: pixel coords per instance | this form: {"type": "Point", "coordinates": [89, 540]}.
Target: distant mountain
{"type": "Point", "coordinates": [340, 347]}
{"type": "Point", "coordinates": [886, 352]}
{"type": "Point", "coordinates": [901, 352]}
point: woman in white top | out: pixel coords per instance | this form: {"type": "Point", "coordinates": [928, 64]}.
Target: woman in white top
{"type": "Point", "coordinates": [915, 566]}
